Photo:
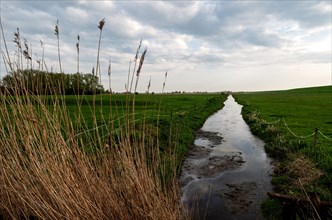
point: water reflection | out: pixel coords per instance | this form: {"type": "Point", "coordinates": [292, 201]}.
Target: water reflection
{"type": "Point", "coordinates": [226, 174]}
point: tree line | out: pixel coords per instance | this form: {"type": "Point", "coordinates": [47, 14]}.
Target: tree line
{"type": "Point", "coordinates": [41, 82]}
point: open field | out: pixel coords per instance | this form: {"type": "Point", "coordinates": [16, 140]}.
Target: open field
{"type": "Point", "coordinates": [176, 117]}
{"type": "Point", "coordinates": [146, 106]}
{"type": "Point", "coordinates": [286, 121]}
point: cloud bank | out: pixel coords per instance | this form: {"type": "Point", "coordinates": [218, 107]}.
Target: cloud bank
{"type": "Point", "coordinates": [204, 45]}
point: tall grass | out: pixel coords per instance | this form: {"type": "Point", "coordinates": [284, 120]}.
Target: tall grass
{"type": "Point", "coordinates": [50, 169]}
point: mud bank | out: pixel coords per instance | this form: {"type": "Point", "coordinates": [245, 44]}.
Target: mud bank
{"type": "Point", "coordinates": [226, 173]}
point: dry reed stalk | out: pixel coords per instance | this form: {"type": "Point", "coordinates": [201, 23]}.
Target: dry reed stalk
{"type": "Point", "coordinates": [149, 85]}
{"type": "Point", "coordinates": [100, 26]}
{"type": "Point", "coordinates": [135, 63]}
{"type": "Point", "coordinates": [109, 71]}
{"type": "Point", "coordinates": [57, 34]}
{"type": "Point", "coordinates": [78, 53]}
{"type": "Point", "coordinates": [141, 61]}
{"type": "Point", "coordinates": [17, 41]}
{"type": "Point", "coordinates": [43, 50]}
{"type": "Point", "coordinates": [137, 79]}
{"type": "Point", "coordinates": [127, 84]}
{"type": "Point", "coordinates": [9, 62]}
{"type": "Point", "coordinates": [164, 83]}
{"type": "Point", "coordinates": [46, 176]}
{"type": "Point", "coordinates": [49, 171]}
{"type": "Point", "coordinates": [26, 53]}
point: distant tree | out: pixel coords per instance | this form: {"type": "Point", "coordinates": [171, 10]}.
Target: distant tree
{"type": "Point", "coordinates": [40, 82]}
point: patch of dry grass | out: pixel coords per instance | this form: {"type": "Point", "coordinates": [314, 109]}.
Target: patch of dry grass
{"type": "Point", "coordinates": [304, 169]}
{"type": "Point", "coordinates": [46, 174]}
{"type": "Point", "coordinates": [51, 170]}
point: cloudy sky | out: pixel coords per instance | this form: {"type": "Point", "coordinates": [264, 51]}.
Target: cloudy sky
{"type": "Point", "coordinates": [204, 45]}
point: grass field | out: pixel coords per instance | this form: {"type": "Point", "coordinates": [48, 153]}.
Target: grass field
{"type": "Point", "coordinates": [121, 157]}
{"type": "Point", "coordinates": [175, 116]}
{"type": "Point", "coordinates": [286, 121]}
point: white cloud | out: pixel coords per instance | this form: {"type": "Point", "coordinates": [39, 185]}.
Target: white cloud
{"type": "Point", "coordinates": [76, 14]}
{"type": "Point", "coordinates": [205, 45]}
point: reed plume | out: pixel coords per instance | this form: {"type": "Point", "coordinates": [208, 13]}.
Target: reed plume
{"type": "Point", "coordinates": [100, 26]}
{"type": "Point", "coordinates": [42, 61]}
{"type": "Point", "coordinates": [149, 85]}
{"type": "Point", "coordinates": [109, 71]}
{"type": "Point", "coordinates": [135, 63]}
{"type": "Point", "coordinates": [26, 53]}
{"type": "Point", "coordinates": [17, 41]}
{"type": "Point", "coordinates": [57, 33]}
{"type": "Point", "coordinates": [141, 61]}
{"type": "Point", "coordinates": [164, 83]}
{"type": "Point", "coordinates": [78, 53]}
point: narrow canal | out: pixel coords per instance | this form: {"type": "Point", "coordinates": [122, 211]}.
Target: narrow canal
{"type": "Point", "coordinates": [227, 173]}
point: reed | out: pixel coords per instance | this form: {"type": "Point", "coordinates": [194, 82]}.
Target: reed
{"type": "Point", "coordinates": [53, 168]}
{"type": "Point", "coordinates": [46, 174]}
{"type": "Point", "coordinates": [100, 26]}
{"type": "Point", "coordinates": [57, 34]}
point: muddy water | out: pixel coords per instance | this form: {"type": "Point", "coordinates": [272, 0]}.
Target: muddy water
{"type": "Point", "coordinates": [227, 173]}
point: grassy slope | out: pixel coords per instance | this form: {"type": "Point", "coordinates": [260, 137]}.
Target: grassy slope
{"type": "Point", "coordinates": [303, 110]}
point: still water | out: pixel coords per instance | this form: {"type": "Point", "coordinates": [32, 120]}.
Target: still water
{"type": "Point", "coordinates": [227, 173]}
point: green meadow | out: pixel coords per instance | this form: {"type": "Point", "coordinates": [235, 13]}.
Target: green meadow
{"type": "Point", "coordinates": [286, 121]}
{"type": "Point", "coordinates": [176, 117]}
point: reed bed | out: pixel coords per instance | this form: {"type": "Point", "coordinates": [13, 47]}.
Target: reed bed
{"type": "Point", "coordinates": [46, 174]}
{"type": "Point", "coordinates": [54, 168]}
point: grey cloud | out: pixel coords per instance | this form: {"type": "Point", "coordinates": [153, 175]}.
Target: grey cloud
{"type": "Point", "coordinates": [306, 13]}
{"type": "Point", "coordinates": [258, 37]}
{"type": "Point", "coordinates": [204, 34]}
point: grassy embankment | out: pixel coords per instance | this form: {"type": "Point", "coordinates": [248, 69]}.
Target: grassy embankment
{"type": "Point", "coordinates": [286, 121]}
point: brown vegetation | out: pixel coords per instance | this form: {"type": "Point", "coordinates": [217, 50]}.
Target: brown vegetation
{"type": "Point", "coordinates": [53, 169]}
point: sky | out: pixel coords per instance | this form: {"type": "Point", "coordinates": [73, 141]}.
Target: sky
{"type": "Point", "coordinates": [203, 45]}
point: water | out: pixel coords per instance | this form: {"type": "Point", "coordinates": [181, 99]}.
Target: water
{"type": "Point", "coordinates": [227, 173]}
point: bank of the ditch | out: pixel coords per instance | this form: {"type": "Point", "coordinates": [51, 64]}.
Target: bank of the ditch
{"type": "Point", "coordinates": [286, 121]}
